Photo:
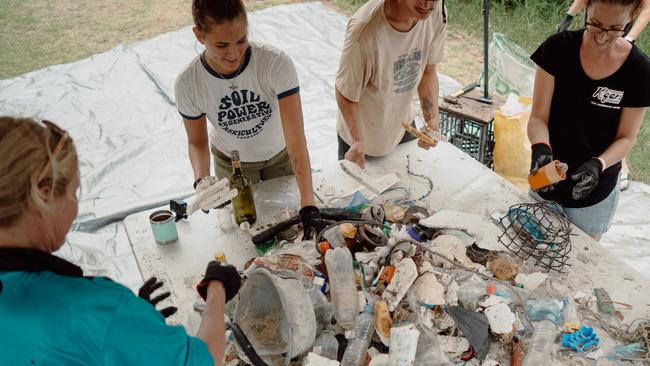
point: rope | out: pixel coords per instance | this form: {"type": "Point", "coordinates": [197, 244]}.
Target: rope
{"type": "Point", "coordinates": [429, 181]}
{"type": "Point", "coordinates": [640, 334]}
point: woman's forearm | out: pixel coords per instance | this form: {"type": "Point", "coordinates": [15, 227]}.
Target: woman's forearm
{"type": "Point", "coordinates": [213, 326]}
{"type": "Point", "coordinates": [617, 151]}
{"type": "Point", "coordinates": [199, 158]}
{"type": "Point", "coordinates": [299, 157]}
{"type": "Point", "coordinates": [641, 21]}
{"type": "Point", "coordinates": [538, 131]}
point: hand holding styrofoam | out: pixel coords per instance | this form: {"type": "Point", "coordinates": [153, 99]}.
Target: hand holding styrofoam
{"type": "Point", "coordinates": [211, 193]}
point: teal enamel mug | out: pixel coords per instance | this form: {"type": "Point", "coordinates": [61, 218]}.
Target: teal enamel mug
{"type": "Point", "coordinates": [163, 226]}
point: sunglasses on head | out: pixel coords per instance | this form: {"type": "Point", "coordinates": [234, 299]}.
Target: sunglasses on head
{"type": "Point", "coordinates": [60, 136]}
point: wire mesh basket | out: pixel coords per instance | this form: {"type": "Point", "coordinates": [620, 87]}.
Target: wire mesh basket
{"type": "Point", "coordinates": [540, 231]}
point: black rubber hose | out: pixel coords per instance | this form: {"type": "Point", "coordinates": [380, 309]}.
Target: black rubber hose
{"type": "Point", "coordinates": [333, 214]}
{"type": "Point", "coordinates": [246, 345]}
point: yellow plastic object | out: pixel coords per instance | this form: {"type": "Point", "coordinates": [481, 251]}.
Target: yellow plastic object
{"type": "Point", "coordinates": [348, 230]}
{"type": "Point", "coordinates": [550, 173]}
{"type": "Point", "coordinates": [220, 257]}
{"type": "Point", "coordinates": [512, 148]}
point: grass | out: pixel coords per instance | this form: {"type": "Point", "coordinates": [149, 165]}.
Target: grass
{"type": "Point", "coordinates": [36, 34]}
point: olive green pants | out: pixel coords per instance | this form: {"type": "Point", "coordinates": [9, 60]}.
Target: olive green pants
{"type": "Point", "coordinates": [278, 166]}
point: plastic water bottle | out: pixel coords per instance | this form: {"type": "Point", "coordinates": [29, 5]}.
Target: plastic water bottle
{"type": "Point", "coordinates": [364, 328]}
{"type": "Point", "coordinates": [326, 345]}
{"type": "Point", "coordinates": [429, 352]}
{"type": "Point", "coordinates": [541, 344]}
{"type": "Point", "coordinates": [343, 288]}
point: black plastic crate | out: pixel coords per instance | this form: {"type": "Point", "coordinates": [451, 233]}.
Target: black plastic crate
{"type": "Point", "coordinates": [473, 137]}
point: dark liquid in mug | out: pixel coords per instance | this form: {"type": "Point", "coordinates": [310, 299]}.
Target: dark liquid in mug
{"type": "Point", "coordinates": [161, 217]}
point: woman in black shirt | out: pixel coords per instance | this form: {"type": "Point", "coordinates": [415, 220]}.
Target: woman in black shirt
{"type": "Point", "coordinates": [591, 91]}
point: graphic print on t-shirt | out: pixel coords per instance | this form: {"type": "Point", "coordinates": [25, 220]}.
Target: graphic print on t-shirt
{"type": "Point", "coordinates": [608, 98]}
{"type": "Point", "coordinates": [406, 70]}
{"type": "Point", "coordinates": [243, 113]}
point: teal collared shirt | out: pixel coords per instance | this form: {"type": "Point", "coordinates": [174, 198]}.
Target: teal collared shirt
{"type": "Point", "coordinates": [51, 315]}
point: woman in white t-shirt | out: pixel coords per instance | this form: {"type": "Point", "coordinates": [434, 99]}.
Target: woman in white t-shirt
{"type": "Point", "coordinates": [249, 92]}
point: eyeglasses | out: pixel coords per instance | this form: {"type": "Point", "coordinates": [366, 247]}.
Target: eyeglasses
{"type": "Point", "coordinates": [62, 137]}
{"type": "Point", "coordinates": [610, 33]}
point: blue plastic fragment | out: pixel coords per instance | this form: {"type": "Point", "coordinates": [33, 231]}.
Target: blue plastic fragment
{"type": "Point", "coordinates": [632, 350]}
{"type": "Point", "coordinates": [413, 233]}
{"type": "Point", "coordinates": [504, 294]}
{"type": "Point", "coordinates": [358, 199]}
{"type": "Point", "coordinates": [582, 340]}
{"type": "Point", "coordinates": [527, 221]}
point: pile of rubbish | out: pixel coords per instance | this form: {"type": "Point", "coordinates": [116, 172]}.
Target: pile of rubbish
{"type": "Point", "coordinates": [397, 285]}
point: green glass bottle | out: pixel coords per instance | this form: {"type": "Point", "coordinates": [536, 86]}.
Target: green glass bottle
{"type": "Point", "coordinates": [243, 205]}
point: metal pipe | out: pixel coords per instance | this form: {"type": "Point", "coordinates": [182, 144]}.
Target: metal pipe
{"type": "Point", "coordinates": [486, 76]}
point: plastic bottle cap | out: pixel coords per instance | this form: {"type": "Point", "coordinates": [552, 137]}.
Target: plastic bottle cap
{"type": "Point", "coordinates": [324, 246]}
{"type": "Point", "coordinates": [387, 274]}
{"type": "Point", "coordinates": [491, 289]}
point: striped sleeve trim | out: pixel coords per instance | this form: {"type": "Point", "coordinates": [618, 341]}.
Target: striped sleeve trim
{"type": "Point", "coordinates": [190, 117]}
{"type": "Point", "coordinates": [289, 92]}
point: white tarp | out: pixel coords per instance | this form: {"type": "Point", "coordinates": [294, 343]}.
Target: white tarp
{"type": "Point", "coordinates": [629, 237]}
{"type": "Point", "coordinates": [119, 108]}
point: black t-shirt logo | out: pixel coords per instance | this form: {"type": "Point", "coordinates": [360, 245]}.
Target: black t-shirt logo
{"type": "Point", "coordinates": [608, 96]}
{"type": "Point", "coordinates": [242, 106]}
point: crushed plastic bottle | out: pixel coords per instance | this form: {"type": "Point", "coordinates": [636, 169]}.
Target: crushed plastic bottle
{"type": "Point", "coordinates": [403, 344]}
{"type": "Point", "coordinates": [570, 314]}
{"type": "Point", "coordinates": [543, 309]}
{"type": "Point", "coordinates": [541, 344]}
{"type": "Point", "coordinates": [326, 345]}
{"type": "Point", "coordinates": [364, 328]}
{"type": "Point", "coordinates": [334, 237]}
{"type": "Point", "coordinates": [322, 308]}
{"type": "Point", "coordinates": [429, 352]}
{"type": "Point", "coordinates": [343, 288]}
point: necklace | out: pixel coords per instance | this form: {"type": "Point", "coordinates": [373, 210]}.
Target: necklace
{"type": "Point", "coordinates": [232, 86]}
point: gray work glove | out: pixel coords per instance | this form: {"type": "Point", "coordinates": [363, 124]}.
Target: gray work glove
{"type": "Point", "coordinates": [587, 177]}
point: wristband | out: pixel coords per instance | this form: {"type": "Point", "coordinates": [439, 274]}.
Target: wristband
{"type": "Point", "coordinates": [602, 161]}
{"type": "Point", "coordinates": [196, 182]}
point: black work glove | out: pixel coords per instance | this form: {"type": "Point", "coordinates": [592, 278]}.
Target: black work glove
{"type": "Point", "coordinates": [566, 22]}
{"type": "Point", "coordinates": [227, 275]}
{"type": "Point", "coordinates": [542, 155]}
{"type": "Point", "coordinates": [587, 177]}
{"type": "Point", "coordinates": [148, 288]}
{"type": "Point", "coordinates": [312, 222]}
